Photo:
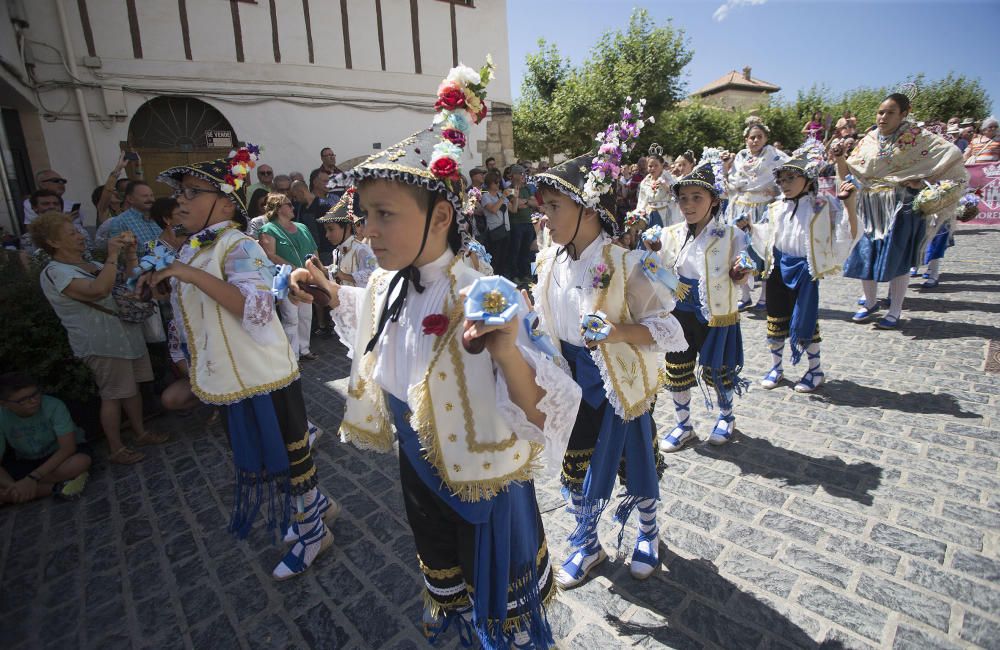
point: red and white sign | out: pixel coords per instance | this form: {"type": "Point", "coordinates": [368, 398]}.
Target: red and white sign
{"type": "Point", "coordinates": [984, 180]}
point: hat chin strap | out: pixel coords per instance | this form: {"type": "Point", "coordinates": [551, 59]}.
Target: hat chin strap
{"type": "Point", "coordinates": [570, 247]}
{"type": "Point", "coordinates": [405, 276]}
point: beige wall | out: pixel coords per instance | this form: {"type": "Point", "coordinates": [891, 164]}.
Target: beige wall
{"type": "Point", "coordinates": [739, 99]}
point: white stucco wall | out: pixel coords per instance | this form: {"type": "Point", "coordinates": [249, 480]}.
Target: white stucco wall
{"type": "Point", "coordinates": [292, 108]}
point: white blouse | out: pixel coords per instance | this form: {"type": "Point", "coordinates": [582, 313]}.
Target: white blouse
{"type": "Point", "coordinates": [571, 295]}
{"type": "Point", "coordinates": [691, 252]}
{"type": "Point", "coordinates": [792, 231]}
{"type": "Point", "coordinates": [658, 199]}
{"type": "Point", "coordinates": [404, 353]}
{"type": "Point", "coordinates": [755, 174]}
{"type": "Point", "coordinates": [364, 260]}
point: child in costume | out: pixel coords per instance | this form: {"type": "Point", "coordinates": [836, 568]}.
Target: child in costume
{"type": "Point", "coordinates": [893, 164]}
{"type": "Point", "coordinates": [654, 191]}
{"type": "Point", "coordinates": [708, 256]}
{"type": "Point", "coordinates": [353, 260]}
{"type": "Point", "coordinates": [238, 356]}
{"type": "Point", "coordinates": [806, 237]}
{"type": "Point", "coordinates": [749, 183]}
{"type": "Point", "coordinates": [470, 427]}
{"type": "Point", "coordinates": [610, 315]}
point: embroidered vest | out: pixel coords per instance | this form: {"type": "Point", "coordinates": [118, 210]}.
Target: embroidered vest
{"type": "Point", "coordinates": [227, 365]}
{"type": "Point", "coordinates": [348, 261]}
{"type": "Point", "coordinates": [717, 290]}
{"type": "Point", "coordinates": [453, 409]}
{"type": "Point", "coordinates": [821, 253]}
{"type": "Point", "coordinates": [630, 372]}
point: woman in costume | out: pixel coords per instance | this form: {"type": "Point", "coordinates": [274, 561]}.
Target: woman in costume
{"type": "Point", "coordinates": [892, 164]}
{"type": "Point", "coordinates": [470, 427]}
{"type": "Point", "coordinates": [221, 289]}
{"type": "Point", "coordinates": [609, 314]}
{"type": "Point", "coordinates": [749, 183]}
{"type": "Point", "coordinates": [707, 255]}
{"type": "Point", "coordinates": [654, 191]}
{"type": "Point", "coordinates": [806, 237]}
{"type": "Point", "coordinates": [985, 147]}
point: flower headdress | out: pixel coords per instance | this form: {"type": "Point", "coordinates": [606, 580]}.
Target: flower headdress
{"type": "Point", "coordinates": [460, 103]}
{"type": "Point", "coordinates": [807, 160]}
{"type": "Point", "coordinates": [713, 157]}
{"type": "Point", "coordinates": [229, 174]}
{"type": "Point", "coordinates": [614, 142]}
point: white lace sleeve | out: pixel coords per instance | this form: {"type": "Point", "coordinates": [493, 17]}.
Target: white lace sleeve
{"type": "Point", "coordinates": [366, 264]}
{"type": "Point", "coordinates": [248, 269]}
{"type": "Point", "coordinates": [346, 316]}
{"type": "Point", "coordinates": [650, 303]}
{"type": "Point", "coordinates": [559, 405]}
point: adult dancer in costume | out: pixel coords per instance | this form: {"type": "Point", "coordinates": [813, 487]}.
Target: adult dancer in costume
{"type": "Point", "coordinates": [470, 427]}
{"type": "Point", "coordinates": [749, 183]}
{"type": "Point", "coordinates": [892, 164]}
{"type": "Point", "coordinates": [806, 237]}
{"type": "Point", "coordinates": [587, 284]}
{"type": "Point", "coordinates": [708, 257]}
{"type": "Point", "coordinates": [221, 292]}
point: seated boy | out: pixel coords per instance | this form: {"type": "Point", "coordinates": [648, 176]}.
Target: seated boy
{"type": "Point", "coordinates": [44, 456]}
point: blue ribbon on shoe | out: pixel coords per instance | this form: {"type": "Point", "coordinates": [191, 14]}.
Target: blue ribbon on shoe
{"type": "Point", "coordinates": [282, 278]}
{"type": "Point", "coordinates": [158, 258]}
{"type": "Point", "coordinates": [656, 272]}
{"type": "Point", "coordinates": [595, 327]}
{"type": "Point", "coordinates": [492, 299]}
{"type": "Point", "coordinates": [538, 338]}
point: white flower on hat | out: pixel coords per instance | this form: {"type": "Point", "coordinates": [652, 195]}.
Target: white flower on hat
{"type": "Point", "coordinates": [464, 75]}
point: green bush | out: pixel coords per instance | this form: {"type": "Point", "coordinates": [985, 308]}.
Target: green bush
{"type": "Point", "coordinates": [35, 340]}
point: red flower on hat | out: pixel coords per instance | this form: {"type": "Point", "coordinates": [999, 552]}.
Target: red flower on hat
{"type": "Point", "coordinates": [230, 180]}
{"type": "Point", "coordinates": [454, 136]}
{"type": "Point", "coordinates": [436, 324]}
{"type": "Point", "coordinates": [450, 98]}
{"type": "Point", "coordinates": [444, 167]}
{"type": "Point", "coordinates": [481, 114]}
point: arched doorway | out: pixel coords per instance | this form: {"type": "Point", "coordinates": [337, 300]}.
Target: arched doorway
{"type": "Point", "coordinates": [168, 131]}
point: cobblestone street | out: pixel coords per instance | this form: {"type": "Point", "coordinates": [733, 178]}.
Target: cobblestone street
{"type": "Point", "coordinates": [866, 515]}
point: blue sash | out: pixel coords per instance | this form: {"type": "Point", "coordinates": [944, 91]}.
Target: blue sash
{"type": "Point", "coordinates": [795, 274]}
{"type": "Point", "coordinates": [632, 440]}
{"type": "Point", "coordinates": [722, 352]}
{"type": "Point", "coordinates": [506, 545]}
{"type": "Point", "coordinates": [938, 245]}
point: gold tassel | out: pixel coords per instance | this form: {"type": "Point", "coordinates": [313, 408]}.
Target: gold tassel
{"type": "Point", "coordinates": [725, 320]}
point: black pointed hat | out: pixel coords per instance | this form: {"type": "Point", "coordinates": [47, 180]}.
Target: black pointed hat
{"type": "Point", "coordinates": [806, 161]}
{"type": "Point", "coordinates": [343, 210]}
{"type": "Point", "coordinates": [432, 158]}
{"type": "Point", "coordinates": [570, 176]}
{"type": "Point", "coordinates": [702, 176]}
{"type": "Point", "coordinates": [228, 174]}
{"type": "Point", "coordinates": [590, 179]}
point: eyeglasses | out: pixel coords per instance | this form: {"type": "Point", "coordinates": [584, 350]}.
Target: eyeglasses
{"type": "Point", "coordinates": [191, 193]}
{"type": "Point", "coordinates": [26, 399]}
{"type": "Point", "coordinates": [61, 181]}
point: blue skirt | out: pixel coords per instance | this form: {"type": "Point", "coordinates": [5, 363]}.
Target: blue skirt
{"type": "Point", "coordinates": [884, 259]}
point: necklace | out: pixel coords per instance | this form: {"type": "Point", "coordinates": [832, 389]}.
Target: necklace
{"type": "Point", "coordinates": [886, 144]}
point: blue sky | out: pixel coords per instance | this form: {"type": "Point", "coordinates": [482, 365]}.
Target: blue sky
{"type": "Point", "coordinates": [791, 43]}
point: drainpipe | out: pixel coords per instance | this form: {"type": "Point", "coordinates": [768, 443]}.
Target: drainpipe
{"type": "Point", "coordinates": [81, 102]}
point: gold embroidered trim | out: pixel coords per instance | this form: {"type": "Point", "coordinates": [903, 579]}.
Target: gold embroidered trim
{"type": "Point", "coordinates": [423, 173]}
{"type": "Point", "coordinates": [301, 444]}
{"type": "Point", "coordinates": [572, 190]}
{"type": "Point", "coordinates": [686, 364]}
{"type": "Point", "coordinates": [439, 574]}
{"type": "Point", "coordinates": [380, 441]}
{"type": "Point", "coordinates": [229, 351]}
{"type": "Point", "coordinates": [725, 320]}
{"type": "Point", "coordinates": [579, 452]}
{"type": "Point", "coordinates": [297, 480]}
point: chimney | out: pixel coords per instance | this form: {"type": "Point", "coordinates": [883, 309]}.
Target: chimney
{"type": "Point", "coordinates": [746, 73]}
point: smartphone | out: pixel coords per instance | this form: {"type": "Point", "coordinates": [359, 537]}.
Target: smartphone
{"type": "Point", "coordinates": [75, 208]}
{"type": "Point", "coordinates": [131, 155]}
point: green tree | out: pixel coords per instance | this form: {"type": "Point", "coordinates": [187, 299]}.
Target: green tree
{"type": "Point", "coordinates": [565, 107]}
{"type": "Point", "coordinates": [951, 96]}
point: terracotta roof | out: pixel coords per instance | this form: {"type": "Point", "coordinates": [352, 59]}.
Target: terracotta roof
{"type": "Point", "coordinates": [737, 81]}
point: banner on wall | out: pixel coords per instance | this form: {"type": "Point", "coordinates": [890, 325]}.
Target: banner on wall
{"type": "Point", "coordinates": [984, 180]}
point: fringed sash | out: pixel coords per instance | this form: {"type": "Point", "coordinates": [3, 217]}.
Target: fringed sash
{"type": "Point", "coordinates": [805, 312]}
{"type": "Point", "coordinates": [722, 352]}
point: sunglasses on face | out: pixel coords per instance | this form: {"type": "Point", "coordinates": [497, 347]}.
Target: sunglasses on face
{"type": "Point", "coordinates": [61, 181]}
{"type": "Point", "coordinates": [191, 193]}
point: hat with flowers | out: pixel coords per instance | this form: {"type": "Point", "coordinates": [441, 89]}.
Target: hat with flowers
{"type": "Point", "coordinates": [589, 179]}
{"type": "Point", "coordinates": [229, 174]}
{"type": "Point", "coordinates": [432, 158]}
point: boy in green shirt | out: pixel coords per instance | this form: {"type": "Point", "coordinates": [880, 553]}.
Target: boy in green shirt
{"type": "Point", "coordinates": [43, 456]}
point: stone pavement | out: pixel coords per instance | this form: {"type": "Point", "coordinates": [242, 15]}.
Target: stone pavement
{"type": "Point", "coordinates": [864, 516]}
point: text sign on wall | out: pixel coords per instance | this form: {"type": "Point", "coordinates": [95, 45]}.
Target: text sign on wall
{"type": "Point", "coordinates": [219, 139]}
{"type": "Point", "coordinates": [984, 180]}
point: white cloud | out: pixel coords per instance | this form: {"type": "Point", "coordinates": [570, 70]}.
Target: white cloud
{"type": "Point", "coordinates": [723, 10]}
